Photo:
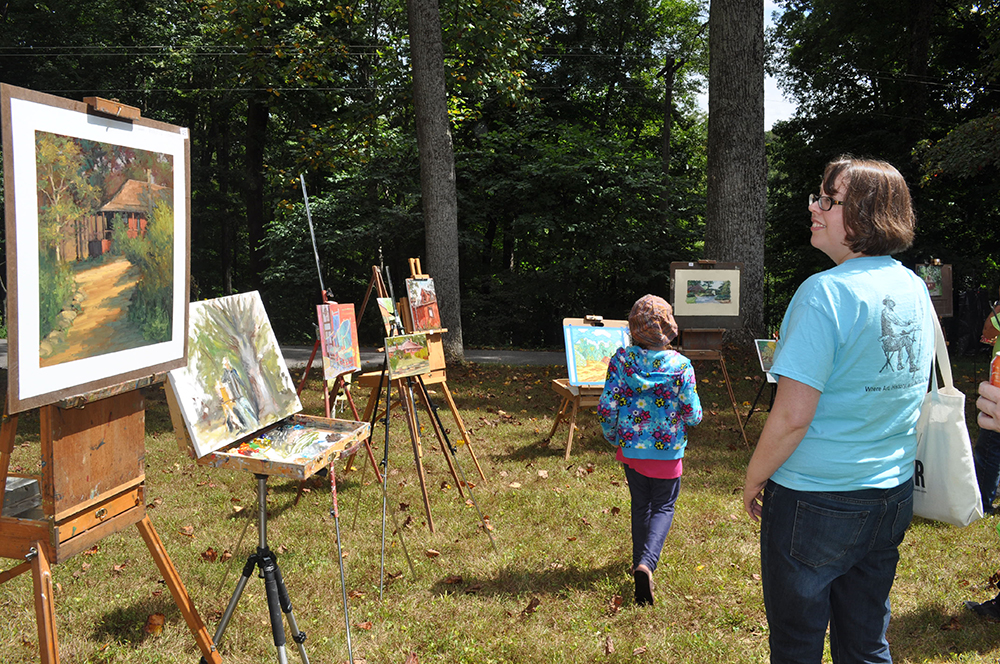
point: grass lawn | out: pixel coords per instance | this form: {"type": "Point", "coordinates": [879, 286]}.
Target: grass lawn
{"type": "Point", "coordinates": [557, 589]}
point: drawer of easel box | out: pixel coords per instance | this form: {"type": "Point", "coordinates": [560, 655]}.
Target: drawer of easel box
{"type": "Point", "coordinates": [80, 530]}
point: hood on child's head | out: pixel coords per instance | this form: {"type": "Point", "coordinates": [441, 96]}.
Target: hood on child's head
{"type": "Point", "coordinates": [651, 322]}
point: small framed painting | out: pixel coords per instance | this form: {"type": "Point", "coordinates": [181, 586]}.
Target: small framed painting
{"type": "Point", "coordinates": [706, 294]}
{"type": "Point", "coordinates": [97, 220]}
{"type": "Point", "coordinates": [589, 348]}
{"type": "Point", "coordinates": [407, 355]}
{"type": "Point", "coordinates": [937, 277]}
{"type": "Point", "coordinates": [423, 304]}
{"type": "Point", "coordinates": [338, 330]}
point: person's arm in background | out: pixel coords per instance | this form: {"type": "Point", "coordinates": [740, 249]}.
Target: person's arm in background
{"type": "Point", "coordinates": [793, 411]}
{"type": "Point", "coordinates": [988, 404]}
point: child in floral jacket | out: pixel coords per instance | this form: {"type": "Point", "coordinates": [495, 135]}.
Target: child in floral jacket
{"type": "Point", "coordinates": [650, 398]}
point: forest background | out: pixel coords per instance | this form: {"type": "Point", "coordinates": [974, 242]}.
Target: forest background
{"type": "Point", "coordinates": [580, 148]}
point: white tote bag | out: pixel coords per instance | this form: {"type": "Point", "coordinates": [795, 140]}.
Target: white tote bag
{"type": "Point", "coordinates": [944, 479]}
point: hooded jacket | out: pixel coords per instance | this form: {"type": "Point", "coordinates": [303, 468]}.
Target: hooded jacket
{"type": "Point", "coordinates": [649, 400]}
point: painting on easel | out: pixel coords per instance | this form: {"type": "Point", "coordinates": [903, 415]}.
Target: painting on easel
{"type": "Point", "coordinates": [97, 262]}
{"type": "Point", "coordinates": [589, 349]}
{"type": "Point", "coordinates": [236, 382]}
{"type": "Point", "coordinates": [388, 312]}
{"type": "Point", "coordinates": [408, 355]}
{"type": "Point", "coordinates": [423, 304]}
{"type": "Point", "coordinates": [338, 331]}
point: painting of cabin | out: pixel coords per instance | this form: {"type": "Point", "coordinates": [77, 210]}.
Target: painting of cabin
{"type": "Point", "coordinates": [423, 304]}
{"type": "Point", "coordinates": [90, 236]}
{"type": "Point", "coordinates": [408, 355]}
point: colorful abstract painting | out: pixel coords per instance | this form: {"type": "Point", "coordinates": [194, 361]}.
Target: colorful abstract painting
{"type": "Point", "coordinates": [408, 355]}
{"type": "Point", "coordinates": [97, 271]}
{"type": "Point", "coordinates": [338, 333]}
{"type": "Point", "coordinates": [423, 304]}
{"type": "Point", "coordinates": [589, 349]}
{"type": "Point", "coordinates": [388, 312]}
{"type": "Point", "coordinates": [236, 382]}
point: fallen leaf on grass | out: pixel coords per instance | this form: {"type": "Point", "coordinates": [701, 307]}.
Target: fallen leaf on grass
{"type": "Point", "coordinates": [356, 594]}
{"type": "Point", "coordinates": [91, 551]}
{"type": "Point", "coordinates": [544, 474]}
{"type": "Point", "coordinates": [154, 624]}
{"type": "Point", "coordinates": [209, 555]}
{"type": "Point", "coordinates": [952, 625]}
{"type": "Point", "coordinates": [616, 604]}
{"type": "Point", "coordinates": [118, 569]}
{"type": "Point", "coordinates": [473, 589]}
{"type": "Point", "coordinates": [615, 511]}
{"type": "Point", "coordinates": [226, 555]}
{"type": "Point", "coordinates": [451, 580]}
{"type": "Point", "coordinates": [237, 509]}
{"type": "Point", "coordinates": [187, 530]}
{"type": "Point", "coordinates": [282, 548]}
{"type": "Point", "coordinates": [570, 539]}
{"type": "Point", "coordinates": [514, 485]}
{"type": "Point", "coordinates": [431, 553]}
{"type": "Point", "coordinates": [365, 625]}
{"type": "Point", "coordinates": [609, 646]}
{"type": "Point", "coordinates": [411, 658]}
{"type": "Point", "coordinates": [641, 650]}
{"type": "Point", "coordinates": [532, 605]}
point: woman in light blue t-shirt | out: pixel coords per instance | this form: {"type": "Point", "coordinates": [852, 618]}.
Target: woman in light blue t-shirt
{"type": "Point", "coordinates": [831, 480]}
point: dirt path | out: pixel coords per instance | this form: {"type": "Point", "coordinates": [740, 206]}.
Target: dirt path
{"type": "Point", "coordinates": [101, 326]}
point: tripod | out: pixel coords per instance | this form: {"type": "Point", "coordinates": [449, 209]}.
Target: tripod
{"type": "Point", "coordinates": [274, 585]}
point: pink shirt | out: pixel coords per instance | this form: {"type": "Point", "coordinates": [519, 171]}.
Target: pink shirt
{"type": "Point", "coordinates": [661, 469]}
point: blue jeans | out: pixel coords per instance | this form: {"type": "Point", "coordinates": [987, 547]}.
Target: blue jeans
{"type": "Point", "coordinates": [652, 513]}
{"type": "Point", "coordinates": [987, 457]}
{"type": "Point", "coordinates": [830, 558]}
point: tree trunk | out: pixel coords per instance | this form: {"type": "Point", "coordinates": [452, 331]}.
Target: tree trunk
{"type": "Point", "coordinates": [737, 172]}
{"type": "Point", "coordinates": [437, 168]}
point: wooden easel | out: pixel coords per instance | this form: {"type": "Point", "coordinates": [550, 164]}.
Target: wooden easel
{"type": "Point", "coordinates": [574, 397]}
{"type": "Point", "coordinates": [92, 485]}
{"type": "Point", "coordinates": [377, 380]}
{"type": "Point", "coordinates": [339, 383]}
{"type": "Point", "coordinates": [694, 348]}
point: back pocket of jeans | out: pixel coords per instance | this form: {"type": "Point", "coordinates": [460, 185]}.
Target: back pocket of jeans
{"type": "Point", "coordinates": [821, 536]}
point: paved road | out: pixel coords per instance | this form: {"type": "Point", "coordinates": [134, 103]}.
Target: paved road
{"type": "Point", "coordinates": [296, 357]}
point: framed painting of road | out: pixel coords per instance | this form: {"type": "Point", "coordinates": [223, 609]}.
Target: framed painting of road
{"type": "Point", "coordinates": [97, 218]}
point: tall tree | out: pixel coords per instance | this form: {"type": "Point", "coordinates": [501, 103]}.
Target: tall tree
{"type": "Point", "coordinates": [737, 185]}
{"type": "Point", "coordinates": [437, 167]}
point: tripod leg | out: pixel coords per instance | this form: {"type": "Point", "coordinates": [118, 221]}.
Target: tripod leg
{"type": "Point", "coordinates": [234, 600]}
{"type": "Point", "coordinates": [267, 569]}
{"type": "Point", "coordinates": [285, 602]}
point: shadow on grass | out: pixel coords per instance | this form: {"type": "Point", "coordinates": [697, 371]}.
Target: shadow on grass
{"type": "Point", "coordinates": [513, 582]}
{"type": "Point", "coordinates": [126, 624]}
{"type": "Point", "coordinates": [932, 631]}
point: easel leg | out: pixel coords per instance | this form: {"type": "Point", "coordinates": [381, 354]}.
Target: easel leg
{"type": "Point", "coordinates": [461, 427]}
{"type": "Point", "coordinates": [732, 399]}
{"type": "Point", "coordinates": [418, 452]}
{"type": "Point", "coordinates": [440, 436]}
{"type": "Point", "coordinates": [559, 417]}
{"type": "Point", "coordinates": [181, 597]}
{"type": "Point", "coordinates": [45, 610]}
{"type": "Point", "coordinates": [572, 427]}
{"type": "Point", "coordinates": [7, 432]}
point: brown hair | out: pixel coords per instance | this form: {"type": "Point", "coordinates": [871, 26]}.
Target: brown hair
{"type": "Point", "coordinates": [878, 214]}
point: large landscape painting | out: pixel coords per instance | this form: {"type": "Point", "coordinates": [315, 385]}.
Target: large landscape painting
{"type": "Point", "coordinates": [97, 247]}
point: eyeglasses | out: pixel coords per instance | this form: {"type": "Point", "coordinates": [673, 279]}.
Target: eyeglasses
{"type": "Point", "coordinates": [825, 202]}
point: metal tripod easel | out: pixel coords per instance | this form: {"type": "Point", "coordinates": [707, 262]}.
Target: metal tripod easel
{"type": "Point", "coordinates": [278, 601]}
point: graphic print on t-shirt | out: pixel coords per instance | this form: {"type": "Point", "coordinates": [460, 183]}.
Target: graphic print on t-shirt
{"type": "Point", "coordinates": [897, 339]}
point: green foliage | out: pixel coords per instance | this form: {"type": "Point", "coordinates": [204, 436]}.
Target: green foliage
{"type": "Point", "coordinates": [910, 83]}
{"type": "Point", "coordinates": [55, 290]}
{"type": "Point", "coordinates": [151, 306]}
